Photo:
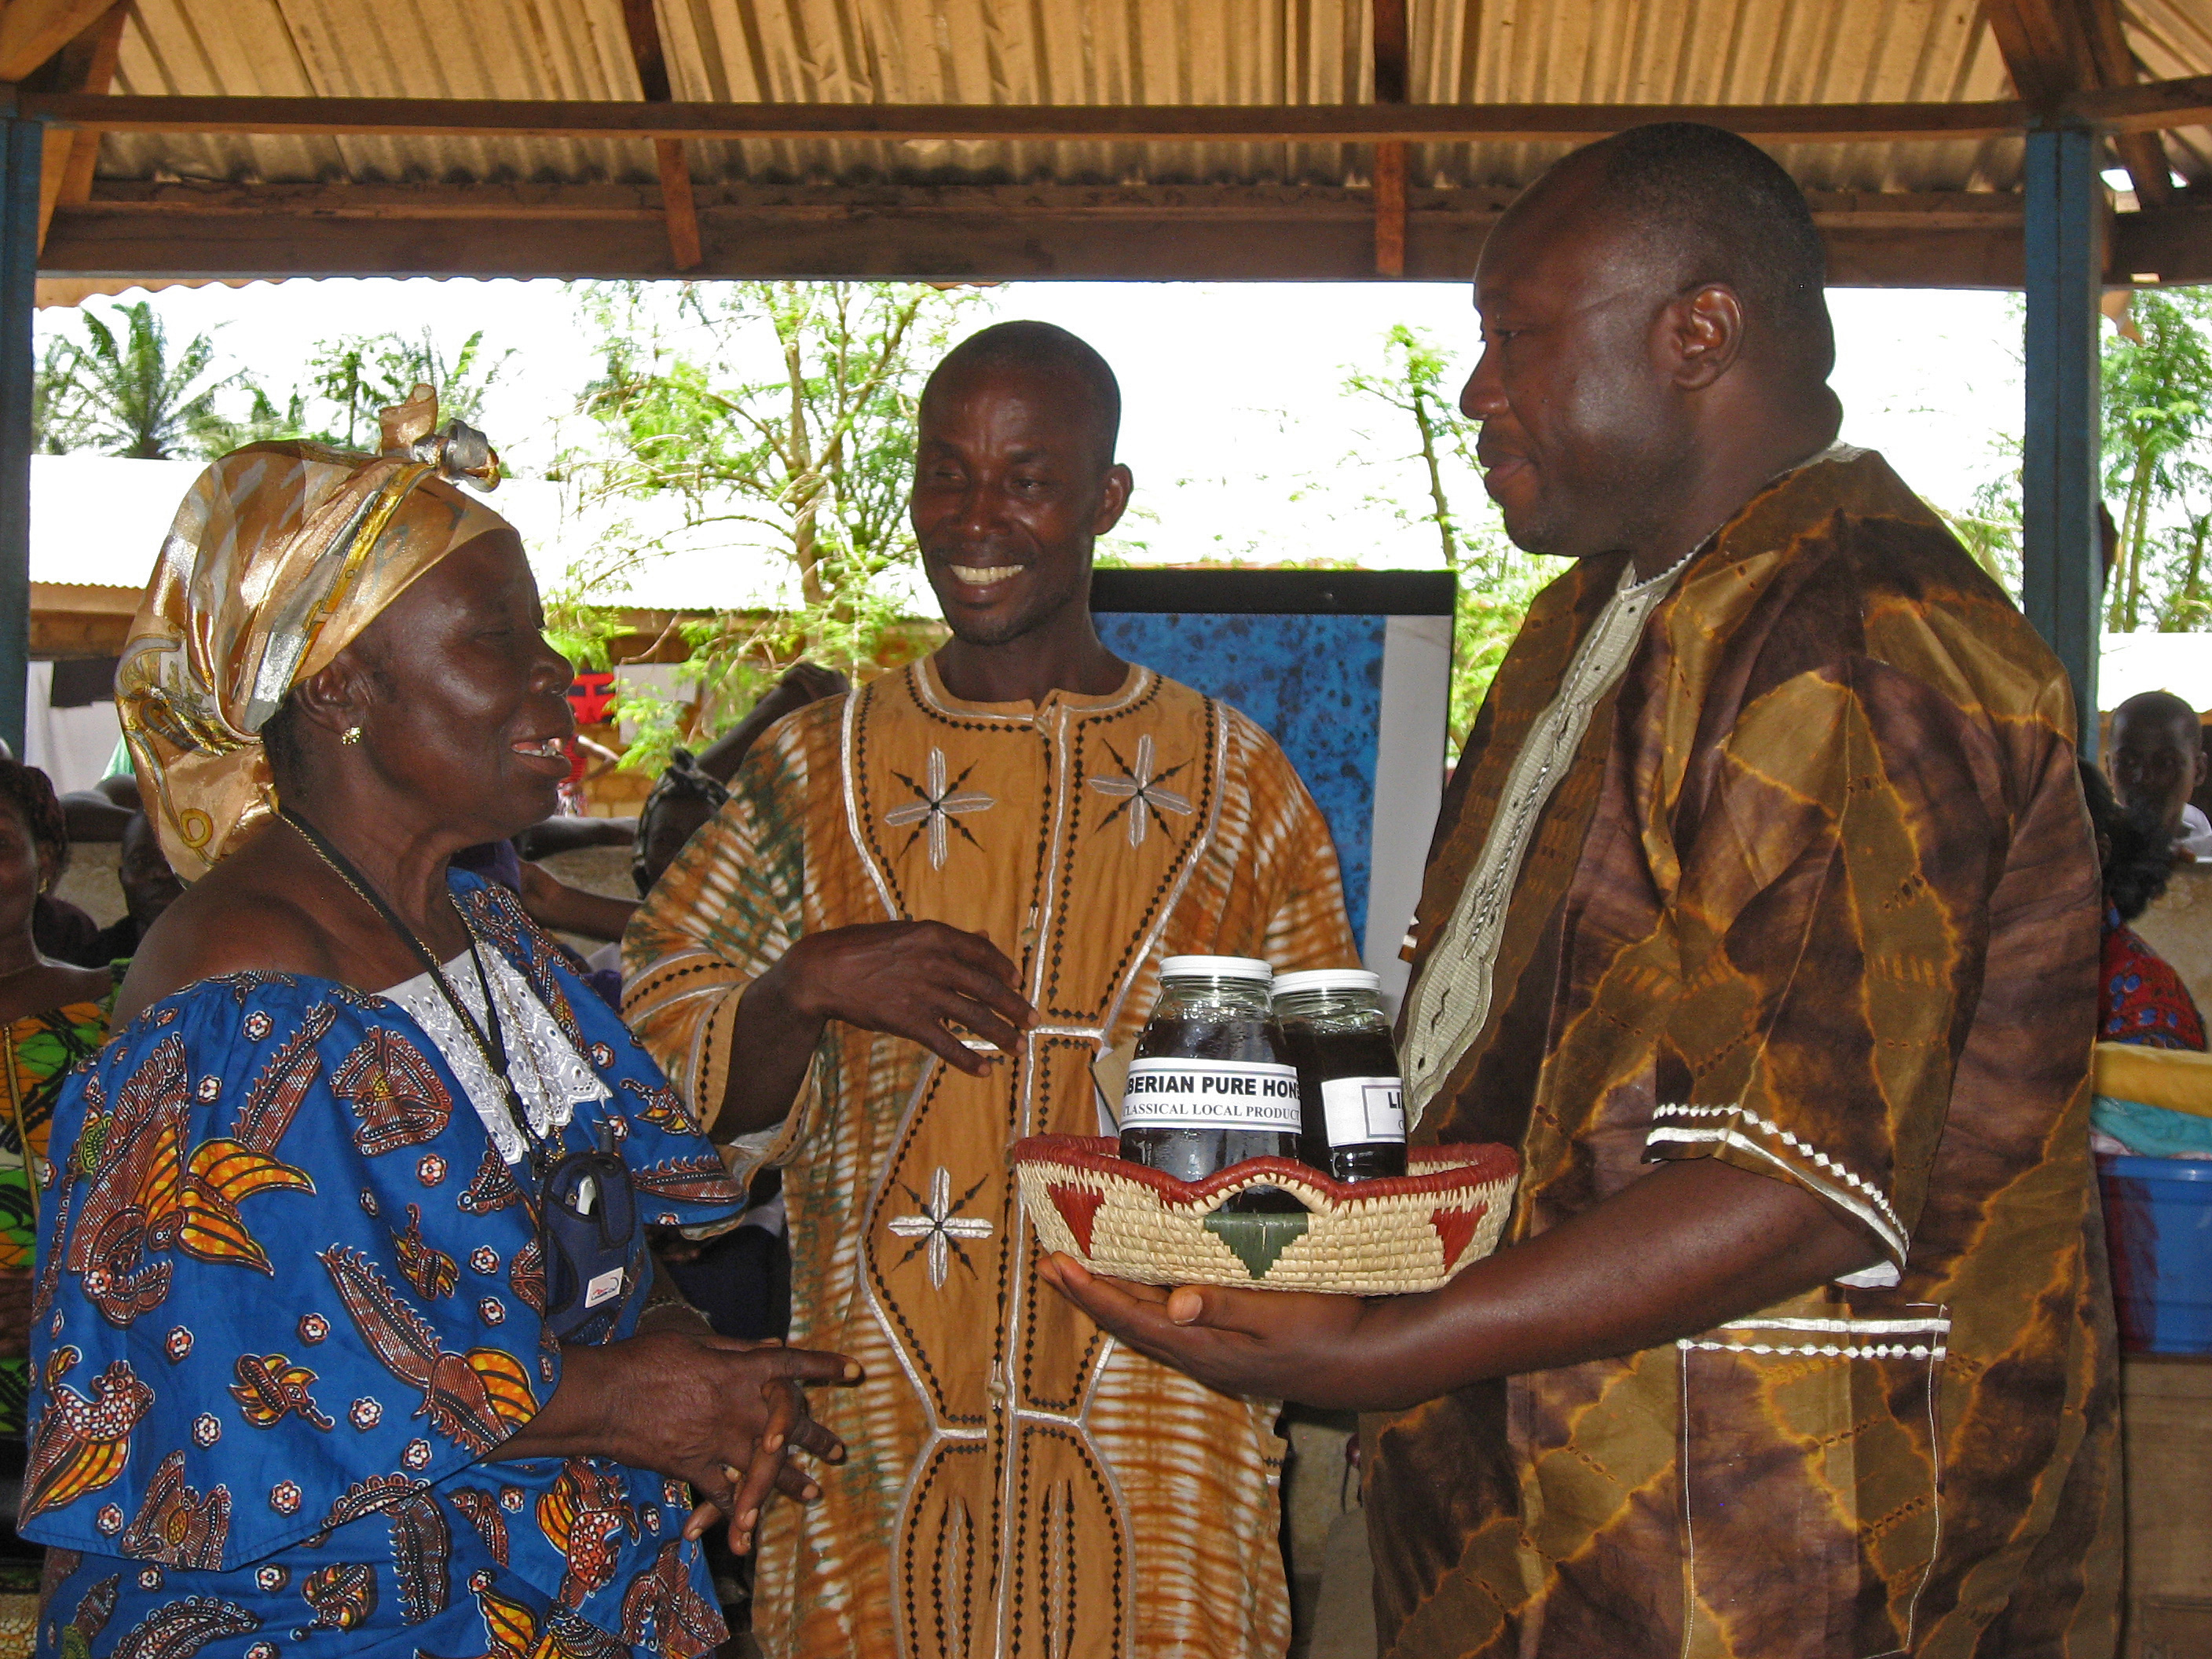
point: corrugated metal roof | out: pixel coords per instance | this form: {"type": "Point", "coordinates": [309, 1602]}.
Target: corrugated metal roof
{"type": "Point", "coordinates": [1737, 52]}
{"type": "Point", "coordinates": [1076, 51]}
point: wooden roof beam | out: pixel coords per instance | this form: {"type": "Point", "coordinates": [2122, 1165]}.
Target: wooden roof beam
{"type": "Point", "coordinates": [34, 31]}
{"type": "Point", "coordinates": [68, 160]}
{"type": "Point", "coordinates": [458, 118]}
{"type": "Point", "coordinates": [964, 232]}
{"type": "Point", "coordinates": [681, 210]}
{"type": "Point", "coordinates": [1387, 21]}
{"type": "Point", "coordinates": [2149, 107]}
{"type": "Point", "coordinates": [2056, 48]}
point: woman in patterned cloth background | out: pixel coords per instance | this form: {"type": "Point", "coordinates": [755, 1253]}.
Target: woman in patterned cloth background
{"type": "Point", "coordinates": [295, 1361]}
{"type": "Point", "coordinates": [2140, 997]}
{"type": "Point", "coordinates": [52, 1015]}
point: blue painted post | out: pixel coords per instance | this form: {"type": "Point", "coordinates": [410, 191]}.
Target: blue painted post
{"type": "Point", "coordinates": [2061, 561]}
{"type": "Point", "coordinates": [19, 283]}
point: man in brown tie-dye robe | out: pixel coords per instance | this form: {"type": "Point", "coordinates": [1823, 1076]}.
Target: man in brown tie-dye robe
{"type": "Point", "coordinates": [1763, 919]}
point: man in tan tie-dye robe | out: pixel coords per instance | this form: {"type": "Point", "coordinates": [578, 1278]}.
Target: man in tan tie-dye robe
{"type": "Point", "coordinates": [1018, 1484]}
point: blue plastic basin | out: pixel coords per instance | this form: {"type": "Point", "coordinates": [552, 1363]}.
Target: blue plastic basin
{"type": "Point", "coordinates": [2158, 1219]}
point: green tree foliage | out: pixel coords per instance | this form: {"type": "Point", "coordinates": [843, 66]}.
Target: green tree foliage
{"type": "Point", "coordinates": [124, 389]}
{"type": "Point", "coordinates": [2158, 462]}
{"type": "Point", "coordinates": [1420, 379]}
{"type": "Point", "coordinates": [767, 415]}
{"type": "Point", "coordinates": [1988, 526]}
{"type": "Point", "coordinates": [351, 380]}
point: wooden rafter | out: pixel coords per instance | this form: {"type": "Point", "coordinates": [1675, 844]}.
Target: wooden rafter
{"type": "Point", "coordinates": [677, 203]}
{"type": "Point", "coordinates": [2056, 49]}
{"type": "Point", "coordinates": [966, 233]}
{"type": "Point", "coordinates": [1258, 123]}
{"type": "Point", "coordinates": [87, 64]}
{"type": "Point", "coordinates": [1391, 62]}
{"type": "Point", "coordinates": [2147, 107]}
{"type": "Point", "coordinates": [32, 30]}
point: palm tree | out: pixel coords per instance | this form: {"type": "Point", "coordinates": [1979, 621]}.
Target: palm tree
{"type": "Point", "coordinates": [53, 396]}
{"type": "Point", "coordinates": [124, 392]}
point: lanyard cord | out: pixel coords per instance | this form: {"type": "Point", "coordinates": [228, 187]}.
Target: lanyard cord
{"type": "Point", "coordinates": [491, 1047]}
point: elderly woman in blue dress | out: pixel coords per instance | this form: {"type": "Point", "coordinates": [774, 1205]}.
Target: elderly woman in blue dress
{"type": "Point", "coordinates": [345, 1333]}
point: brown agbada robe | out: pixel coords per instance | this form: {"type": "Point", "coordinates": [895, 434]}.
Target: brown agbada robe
{"type": "Point", "coordinates": [1816, 895]}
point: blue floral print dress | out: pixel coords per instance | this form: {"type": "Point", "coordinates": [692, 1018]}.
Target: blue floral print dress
{"type": "Point", "coordinates": [289, 1307]}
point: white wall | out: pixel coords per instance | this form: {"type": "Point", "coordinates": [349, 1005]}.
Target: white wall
{"type": "Point", "coordinates": [72, 746]}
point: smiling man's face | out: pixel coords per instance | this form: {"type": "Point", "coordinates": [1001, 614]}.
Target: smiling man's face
{"type": "Point", "coordinates": [1010, 492]}
{"type": "Point", "coordinates": [1581, 432]}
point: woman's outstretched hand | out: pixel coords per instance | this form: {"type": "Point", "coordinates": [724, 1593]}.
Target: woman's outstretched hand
{"type": "Point", "coordinates": [722, 1415]}
{"type": "Point", "coordinates": [1273, 1344]}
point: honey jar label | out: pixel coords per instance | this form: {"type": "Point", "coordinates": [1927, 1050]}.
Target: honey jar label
{"type": "Point", "coordinates": [1362, 1110]}
{"type": "Point", "coordinates": [1211, 1094]}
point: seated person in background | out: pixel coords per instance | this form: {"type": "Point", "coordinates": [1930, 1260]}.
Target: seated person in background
{"type": "Point", "coordinates": [691, 790]}
{"type": "Point", "coordinates": [103, 812]}
{"type": "Point", "coordinates": [2157, 763]}
{"type": "Point", "coordinates": [741, 1280]}
{"type": "Point", "coordinates": [63, 930]}
{"type": "Point", "coordinates": [2139, 997]}
{"type": "Point", "coordinates": [149, 887]}
{"type": "Point", "coordinates": [563, 833]}
{"type": "Point", "coordinates": [803, 683]}
{"type": "Point", "coordinates": [91, 816]}
{"type": "Point", "coordinates": [551, 902]}
{"type": "Point", "coordinates": [684, 798]}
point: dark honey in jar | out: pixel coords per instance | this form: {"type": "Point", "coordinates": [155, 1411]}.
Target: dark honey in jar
{"type": "Point", "coordinates": [1338, 1039]}
{"type": "Point", "coordinates": [1211, 1084]}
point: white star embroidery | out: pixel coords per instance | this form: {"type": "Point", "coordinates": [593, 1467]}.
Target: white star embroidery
{"type": "Point", "coordinates": [938, 804]}
{"type": "Point", "coordinates": [1140, 793]}
{"type": "Point", "coordinates": [939, 1224]}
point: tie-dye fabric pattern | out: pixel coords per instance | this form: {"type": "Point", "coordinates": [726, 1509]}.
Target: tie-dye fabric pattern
{"type": "Point", "coordinates": [288, 1310]}
{"type": "Point", "coordinates": [1017, 1483]}
{"type": "Point", "coordinates": [1816, 895]}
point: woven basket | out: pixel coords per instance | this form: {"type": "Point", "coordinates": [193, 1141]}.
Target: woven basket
{"type": "Point", "coordinates": [1409, 1232]}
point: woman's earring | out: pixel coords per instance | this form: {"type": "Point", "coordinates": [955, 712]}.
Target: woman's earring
{"type": "Point", "coordinates": [350, 735]}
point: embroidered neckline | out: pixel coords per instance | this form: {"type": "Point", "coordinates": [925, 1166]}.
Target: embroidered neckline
{"type": "Point", "coordinates": [546, 1070]}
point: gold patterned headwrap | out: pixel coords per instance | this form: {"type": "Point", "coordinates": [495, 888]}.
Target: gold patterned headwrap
{"type": "Point", "coordinates": [280, 555]}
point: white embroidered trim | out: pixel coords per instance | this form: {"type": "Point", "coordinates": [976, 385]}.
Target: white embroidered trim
{"type": "Point", "coordinates": [1936, 1330]}
{"type": "Point", "coordinates": [1829, 1350]}
{"type": "Point", "coordinates": [1886, 1223]}
{"type": "Point", "coordinates": [1452, 999]}
{"type": "Point", "coordinates": [1936, 1325]}
{"type": "Point", "coordinates": [546, 1070]}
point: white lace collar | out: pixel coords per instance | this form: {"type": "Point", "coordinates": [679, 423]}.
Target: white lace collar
{"type": "Point", "coordinates": [547, 1071]}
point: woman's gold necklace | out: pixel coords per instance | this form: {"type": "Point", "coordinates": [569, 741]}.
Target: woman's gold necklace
{"type": "Point", "coordinates": [361, 893]}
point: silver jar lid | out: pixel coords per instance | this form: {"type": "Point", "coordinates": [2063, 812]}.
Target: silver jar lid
{"type": "Point", "coordinates": [1243, 967]}
{"type": "Point", "coordinates": [1328, 979]}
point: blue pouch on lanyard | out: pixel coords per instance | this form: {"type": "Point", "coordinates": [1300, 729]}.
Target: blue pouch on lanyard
{"type": "Point", "coordinates": [588, 1229]}
{"type": "Point", "coordinates": [587, 1226]}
